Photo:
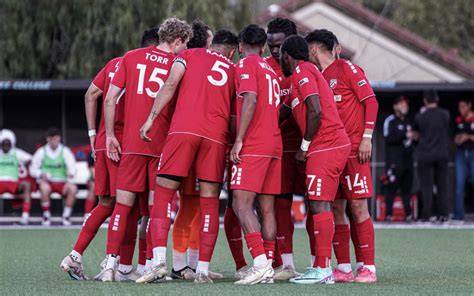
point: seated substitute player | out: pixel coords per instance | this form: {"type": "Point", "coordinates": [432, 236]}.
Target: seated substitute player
{"type": "Point", "coordinates": [206, 88]}
{"type": "Point", "coordinates": [143, 72]}
{"type": "Point", "coordinates": [11, 159]}
{"type": "Point", "coordinates": [53, 166]}
{"type": "Point", "coordinates": [325, 148]}
{"type": "Point", "coordinates": [256, 153]}
{"type": "Point", "coordinates": [357, 107]}
{"type": "Point", "coordinates": [105, 168]}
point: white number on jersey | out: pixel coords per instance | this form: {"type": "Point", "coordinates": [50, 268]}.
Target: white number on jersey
{"type": "Point", "coordinates": [153, 78]}
{"type": "Point", "coordinates": [273, 90]}
{"type": "Point", "coordinates": [358, 182]}
{"type": "Point", "coordinates": [218, 65]}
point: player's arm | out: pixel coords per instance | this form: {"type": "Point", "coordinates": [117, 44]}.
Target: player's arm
{"type": "Point", "coordinates": [164, 96]}
{"type": "Point", "coordinates": [70, 162]}
{"type": "Point", "coordinates": [313, 122]}
{"type": "Point", "coordinates": [35, 167]}
{"type": "Point", "coordinates": [90, 101]}
{"type": "Point", "coordinates": [113, 146]}
{"type": "Point", "coordinates": [248, 108]}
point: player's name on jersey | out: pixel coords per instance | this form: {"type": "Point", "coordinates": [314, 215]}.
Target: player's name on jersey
{"type": "Point", "coordinates": [219, 55]}
{"type": "Point", "coordinates": [158, 58]}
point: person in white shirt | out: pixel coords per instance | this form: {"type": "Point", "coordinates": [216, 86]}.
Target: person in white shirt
{"type": "Point", "coordinates": [54, 166]}
{"type": "Point", "coordinates": [11, 160]}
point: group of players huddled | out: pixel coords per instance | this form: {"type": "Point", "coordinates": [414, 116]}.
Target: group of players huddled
{"type": "Point", "coordinates": [178, 112]}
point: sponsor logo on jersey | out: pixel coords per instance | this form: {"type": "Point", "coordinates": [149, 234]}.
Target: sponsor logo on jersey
{"type": "Point", "coordinates": [362, 83]}
{"type": "Point", "coordinates": [304, 81]}
{"type": "Point", "coordinates": [333, 83]}
{"type": "Point", "coordinates": [295, 103]}
{"type": "Point", "coordinates": [337, 98]}
{"type": "Point", "coordinates": [244, 76]}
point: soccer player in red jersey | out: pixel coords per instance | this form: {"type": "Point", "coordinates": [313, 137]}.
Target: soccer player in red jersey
{"type": "Point", "coordinates": [357, 106]}
{"type": "Point", "coordinates": [256, 153]}
{"type": "Point", "coordinates": [325, 148]}
{"type": "Point", "coordinates": [206, 87]}
{"type": "Point", "coordinates": [106, 169]}
{"type": "Point", "coordinates": [292, 178]}
{"type": "Point", "coordinates": [142, 72]}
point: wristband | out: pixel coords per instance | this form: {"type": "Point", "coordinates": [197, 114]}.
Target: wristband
{"type": "Point", "coordinates": [367, 136]}
{"type": "Point", "coordinates": [92, 132]}
{"type": "Point", "coordinates": [305, 145]}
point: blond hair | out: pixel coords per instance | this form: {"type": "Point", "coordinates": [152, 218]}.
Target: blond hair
{"type": "Point", "coordinates": [174, 28]}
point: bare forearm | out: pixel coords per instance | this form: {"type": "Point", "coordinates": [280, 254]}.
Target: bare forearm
{"type": "Point", "coordinates": [163, 97]}
{"type": "Point", "coordinates": [248, 108]}
{"type": "Point", "coordinates": [313, 121]}
{"type": "Point", "coordinates": [91, 111]}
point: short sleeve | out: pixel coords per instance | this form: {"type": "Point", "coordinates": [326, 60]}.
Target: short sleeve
{"type": "Point", "coordinates": [357, 81]}
{"type": "Point", "coordinates": [120, 76]}
{"type": "Point", "coordinates": [246, 75]}
{"type": "Point", "coordinates": [99, 80]}
{"type": "Point", "coordinates": [184, 57]}
{"type": "Point", "coordinates": [305, 82]}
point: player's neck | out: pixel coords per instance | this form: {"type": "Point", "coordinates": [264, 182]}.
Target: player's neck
{"type": "Point", "coordinates": [326, 62]}
{"type": "Point", "coordinates": [165, 47]}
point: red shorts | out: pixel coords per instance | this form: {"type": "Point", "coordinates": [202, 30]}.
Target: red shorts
{"type": "Point", "coordinates": [57, 187]}
{"type": "Point", "coordinates": [181, 151]}
{"type": "Point", "coordinates": [323, 172]}
{"type": "Point", "coordinates": [292, 174]}
{"type": "Point", "coordinates": [137, 172]}
{"type": "Point", "coordinates": [9, 187]}
{"type": "Point", "coordinates": [356, 180]}
{"type": "Point", "coordinates": [190, 185]}
{"type": "Point", "coordinates": [105, 175]}
{"type": "Point", "coordinates": [259, 174]}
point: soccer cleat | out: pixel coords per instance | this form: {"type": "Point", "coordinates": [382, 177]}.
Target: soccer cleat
{"type": "Point", "coordinates": [257, 275]}
{"type": "Point", "coordinates": [364, 275]}
{"type": "Point", "coordinates": [186, 273]}
{"type": "Point", "coordinates": [106, 275]}
{"type": "Point", "coordinates": [343, 277]}
{"type": "Point", "coordinates": [46, 221]}
{"type": "Point", "coordinates": [215, 275]}
{"type": "Point", "coordinates": [66, 221]}
{"type": "Point", "coordinates": [73, 268]}
{"type": "Point", "coordinates": [242, 272]}
{"type": "Point", "coordinates": [24, 220]}
{"type": "Point", "coordinates": [315, 276]}
{"type": "Point", "coordinates": [284, 273]}
{"type": "Point", "coordinates": [202, 278]}
{"type": "Point", "coordinates": [131, 276]}
{"type": "Point", "coordinates": [154, 274]}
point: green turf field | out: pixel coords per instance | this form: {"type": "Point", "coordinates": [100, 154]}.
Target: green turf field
{"type": "Point", "coordinates": [408, 261]}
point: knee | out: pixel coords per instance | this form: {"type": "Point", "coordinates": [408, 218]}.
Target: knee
{"type": "Point", "coordinates": [359, 209]}
{"type": "Point", "coordinates": [45, 188]}
{"type": "Point", "coordinates": [106, 201]}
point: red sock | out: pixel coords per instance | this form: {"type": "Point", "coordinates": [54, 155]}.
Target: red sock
{"type": "Point", "coordinates": [90, 227]}
{"type": "Point", "coordinates": [277, 261]}
{"type": "Point", "coordinates": [88, 205]}
{"type": "Point", "coordinates": [323, 224]}
{"type": "Point", "coordinates": [149, 244]}
{"type": "Point", "coordinates": [255, 244]}
{"type": "Point", "coordinates": [285, 226]}
{"type": "Point", "coordinates": [209, 227]}
{"type": "Point", "coordinates": [366, 236]}
{"type": "Point", "coordinates": [26, 207]}
{"type": "Point", "coordinates": [45, 206]}
{"type": "Point", "coordinates": [269, 247]}
{"type": "Point", "coordinates": [233, 234]}
{"type": "Point", "coordinates": [340, 243]}
{"type": "Point", "coordinates": [310, 231]}
{"type": "Point", "coordinates": [161, 216]}
{"type": "Point", "coordinates": [117, 228]}
{"type": "Point", "coordinates": [127, 248]}
{"type": "Point", "coordinates": [142, 251]}
{"type": "Point", "coordinates": [355, 242]}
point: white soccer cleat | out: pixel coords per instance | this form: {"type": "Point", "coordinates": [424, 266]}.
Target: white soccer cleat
{"type": "Point", "coordinates": [66, 221]}
{"type": "Point", "coordinates": [73, 268]}
{"type": "Point", "coordinates": [202, 278]}
{"type": "Point", "coordinates": [242, 272]}
{"type": "Point", "coordinates": [131, 276]}
{"type": "Point", "coordinates": [284, 273]}
{"type": "Point", "coordinates": [24, 220]}
{"type": "Point", "coordinates": [46, 221]}
{"type": "Point", "coordinates": [215, 275]}
{"type": "Point", "coordinates": [156, 273]}
{"type": "Point", "coordinates": [106, 275]}
{"type": "Point", "coordinates": [257, 275]}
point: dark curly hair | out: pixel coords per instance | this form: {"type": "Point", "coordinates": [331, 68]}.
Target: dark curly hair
{"type": "Point", "coordinates": [150, 37]}
{"type": "Point", "coordinates": [281, 25]}
{"type": "Point", "coordinates": [323, 36]}
{"type": "Point", "coordinates": [199, 39]}
{"type": "Point", "coordinates": [253, 35]}
{"type": "Point", "coordinates": [296, 47]}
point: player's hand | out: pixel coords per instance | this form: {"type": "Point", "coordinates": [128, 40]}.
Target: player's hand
{"type": "Point", "coordinates": [145, 129]}
{"type": "Point", "coordinates": [44, 176]}
{"type": "Point", "coordinates": [113, 148]}
{"type": "Point", "coordinates": [92, 141]}
{"type": "Point", "coordinates": [301, 155]}
{"type": "Point", "coordinates": [235, 152]}
{"type": "Point", "coordinates": [365, 150]}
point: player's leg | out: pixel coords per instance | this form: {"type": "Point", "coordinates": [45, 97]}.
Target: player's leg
{"type": "Point", "coordinates": [45, 190]}
{"type": "Point", "coordinates": [69, 191]}
{"type": "Point", "coordinates": [341, 240]}
{"type": "Point", "coordinates": [25, 188]}
{"type": "Point", "coordinates": [406, 184]}
{"type": "Point", "coordinates": [142, 246]}
{"type": "Point", "coordinates": [91, 199]}
{"type": "Point", "coordinates": [125, 271]}
{"type": "Point", "coordinates": [266, 211]}
{"type": "Point", "coordinates": [193, 242]}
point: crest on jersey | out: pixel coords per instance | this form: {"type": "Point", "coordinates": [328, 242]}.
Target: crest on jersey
{"type": "Point", "coordinates": [304, 81]}
{"type": "Point", "coordinates": [333, 83]}
{"type": "Point", "coordinates": [337, 98]}
{"type": "Point", "coordinates": [244, 76]}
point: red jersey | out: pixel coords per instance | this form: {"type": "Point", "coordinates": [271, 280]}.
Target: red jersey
{"type": "Point", "coordinates": [143, 71]}
{"type": "Point", "coordinates": [290, 133]}
{"type": "Point", "coordinates": [307, 81]}
{"type": "Point", "coordinates": [205, 94]}
{"type": "Point", "coordinates": [263, 137]}
{"type": "Point", "coordinates": [351, 88]}
{"type": "Point", "coordinates": [102, 82]}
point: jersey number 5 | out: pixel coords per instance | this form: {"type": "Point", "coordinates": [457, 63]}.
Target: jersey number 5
{"type": "Point", "coordinates": [218, 67]}
{"type": "Point", "coordinates": [153, 78]}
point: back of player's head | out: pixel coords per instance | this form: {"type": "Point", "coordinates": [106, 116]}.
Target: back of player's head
{"type": "Point", "coordinates": [296, 47]}
{"type": "Point", "coordinates": [225, 38]}
{"type": "Point", "coordinates": [174, 28]}
{"type": "Point", "coordinates": [324, 37]}
{"type": "Point", "coordinates": [253, 35]}
{"type": "Point", "coordinates": [199, 39]}
{"type": "Point", "coordinates": [281, 25]}
{"type": "Point", "coordinates": [430, 96]}
{"type": "Point", "coordinates": [53, 131]}
{"type": "Point", "coordinates": [150, 37]}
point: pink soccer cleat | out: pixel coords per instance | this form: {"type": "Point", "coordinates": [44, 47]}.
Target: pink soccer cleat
{"type": "Point", "coordinates": [343, 277]}
{"type": "Point", "coordinates": [364, 275]}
